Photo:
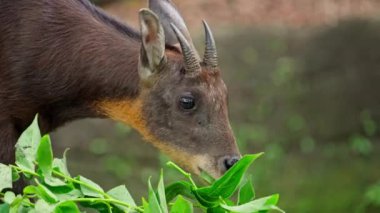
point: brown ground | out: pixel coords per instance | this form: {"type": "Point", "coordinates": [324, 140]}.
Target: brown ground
{"type": "Point", "coordinates": [293, 13]}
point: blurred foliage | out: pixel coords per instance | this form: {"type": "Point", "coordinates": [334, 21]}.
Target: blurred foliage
{"type": "Point", "coordinates": [372, 195]}
{"type": "Point", "coordinates": [361, 144]}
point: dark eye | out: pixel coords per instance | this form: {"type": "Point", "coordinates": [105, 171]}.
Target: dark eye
{"type": "Point", "coordinates": [187, 102]}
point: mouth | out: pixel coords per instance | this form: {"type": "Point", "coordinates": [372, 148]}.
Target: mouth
{"type": "Point", "coordinates": [199, 171]}
{"type": "Point", "coordinates": [197, 164]}
{"type": "Point", "coordinates": [207, 173]}
{"type": "Point", "coordinates": [206, 177]}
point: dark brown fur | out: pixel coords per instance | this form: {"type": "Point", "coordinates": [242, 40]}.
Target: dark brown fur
{"type": "Point", "coordinates": [56, 58]}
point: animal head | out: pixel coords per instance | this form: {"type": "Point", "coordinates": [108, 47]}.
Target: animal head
{"type": "Point", "coordinates": [182, 105]}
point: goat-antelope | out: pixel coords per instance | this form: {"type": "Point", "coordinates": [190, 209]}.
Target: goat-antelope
{"type": "Point", "coordinates": [67, 59]}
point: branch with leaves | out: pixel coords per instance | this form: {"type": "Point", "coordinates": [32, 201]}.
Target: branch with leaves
{"type": "Point", "coordinates": [53, 189]}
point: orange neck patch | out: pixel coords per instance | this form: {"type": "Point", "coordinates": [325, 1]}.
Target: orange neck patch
{"type": "Point", "coordinates": [126, 111]}
{"type": "Point", "coordinates": [129, 112]}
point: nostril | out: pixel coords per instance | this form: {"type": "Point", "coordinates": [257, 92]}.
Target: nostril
{"type": "Point", "coordinates": [230, 161]}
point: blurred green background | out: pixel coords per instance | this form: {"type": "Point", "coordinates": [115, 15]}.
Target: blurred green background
{"type": "Point", "coordinates": [303, 88]}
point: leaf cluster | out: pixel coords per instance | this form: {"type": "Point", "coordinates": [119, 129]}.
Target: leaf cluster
{"type": "Point", "coordinates": [53, 189]}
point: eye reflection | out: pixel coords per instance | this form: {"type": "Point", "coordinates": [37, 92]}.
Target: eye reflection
{"type": "Point", "coordinates": [187, 102]}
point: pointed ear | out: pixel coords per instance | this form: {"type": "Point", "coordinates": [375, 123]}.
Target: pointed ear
{"type": "Point", "coordinates": [153, 43]}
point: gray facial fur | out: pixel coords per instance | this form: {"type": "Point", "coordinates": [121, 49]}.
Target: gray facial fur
{"type": "Point", "coordinates": [204, 130]}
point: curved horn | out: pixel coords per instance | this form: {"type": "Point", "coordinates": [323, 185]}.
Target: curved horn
{"type": "Point", "coordinates": [211, 56]}
{"type": "Point", "coordinates": [191, 59]}
{"type": "Point", "coordinates": [168, 13]}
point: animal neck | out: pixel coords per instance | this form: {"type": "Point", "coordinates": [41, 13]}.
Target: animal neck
{"type": "Point", "coordinates": [128, 111]}
{"type": "Point", "coordinates": [90, 59]}
{"type": "Point", "coordinates": [106, 75]}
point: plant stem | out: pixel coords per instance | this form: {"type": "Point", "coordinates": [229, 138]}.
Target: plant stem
{"type": "Point", "coordinates": [107, 197]}
{"type": "Point", "coordinates": [64, 177]}
{"type": "Point", "coordinates": [186, 174]}
{"type": "Point", "coordinates": [81, 183]}
{"type": "Point", "coordinates": [109, 200]}
{"type": "Point", "coordinates": [24, 171]}
{"type": "Point", "coordinates": [23, 200]}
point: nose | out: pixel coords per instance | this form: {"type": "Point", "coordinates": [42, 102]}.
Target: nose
{"type": "Point", "coordinates": [229, 161]}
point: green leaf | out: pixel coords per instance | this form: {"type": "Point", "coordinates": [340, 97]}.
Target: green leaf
{"type": "Point", "coordinates": [161, 194]}
{"type": "Point", "coordinates": [5, 177]}
{"type": "Point", "coordinates": [146, 206]}
{"type": "Point", "coordinates": [204, 201]}
{"type": "Point", "coordinates": [9, 197]}
{"type": "Point", "coordinates": [100, 206]}
{"type": "Point", "coordinates": [73, 194]}
{"type": "Point", "coordinates": [121, 193]}
{"type": "Point", "coordinates": [42, 206]}
{"type": "Point", "coordinates": [14, 207]}
{"type": "Point", "coordinates": [26, 147]}
{"type": "Point", "coordinates": [217, 209]}
{"type": "Point", "coordinates": [45, 156]}
{"type": "Point", "coordinates": [154, 205]}
{"type": "Point", "coordinates": [4, 208]}
{"type": "Point", "coordinates": [67, 207]}
{"type": "Point", "coordinates": [226, 185]}
{"type": "Point", "coordinates": [53, 181]}
{"type": "Point", "coordinates": [262, 204]}
{"type": "Point", "coordinates": [206, 177]}
{"type": "Point", "coordinates": [60, 165]}
{"type": "Point", "coordinates": [46, 194]}
{"type": "Point", "coordinates": [23, 208]}
{"type": "Point", "coordinates": [42, 192]}
{"type": "Point", "coordinates": [90, 191]}
{"type": "Point", "coordinates": [272, 200]}
{"type": "Point", "coordinates": [15, 175]}
{"type": "Point", "coordinates": [246, 192]}
{"type": "Point", "coordinates": [181, 205]}
{"type": "Point", "coordinates": [30, 190]}
{"type": "Point", "coordinates": [179, 188]}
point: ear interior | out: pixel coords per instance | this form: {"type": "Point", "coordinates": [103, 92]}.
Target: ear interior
{"type": "Point", "coordinates": [153, 43]}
